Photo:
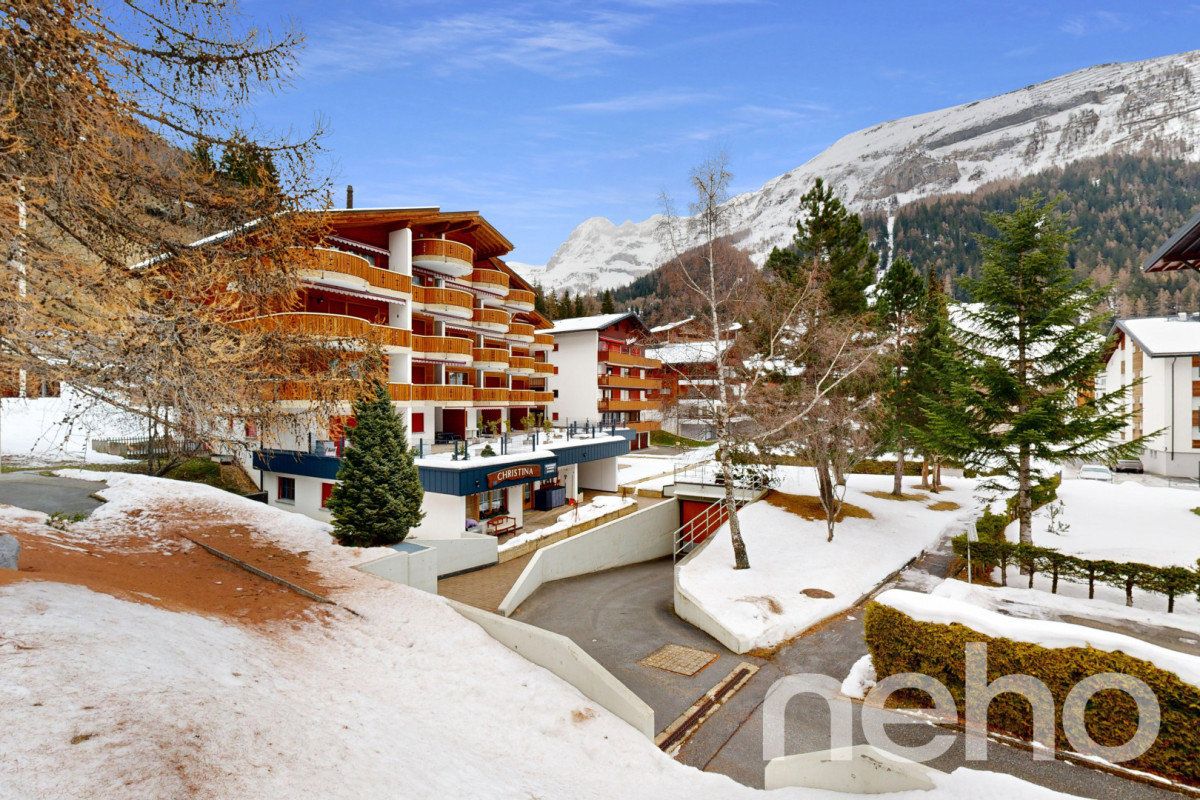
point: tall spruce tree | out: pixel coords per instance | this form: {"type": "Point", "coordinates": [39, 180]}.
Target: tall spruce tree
{"type": "Point", "coordinates": [378, 497]}
{"type": "Point", "coordinates": [606, 302]}
{"type": "Point", "coordinates": [899, 303]}
{"type": "Point", "coordinates": [1033, 343]}
{"type": "Point", "coordinates": [830, 239]}
{"type": "Point", "coordinates": [937, 371]}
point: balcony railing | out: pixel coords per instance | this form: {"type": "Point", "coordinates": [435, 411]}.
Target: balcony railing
{"type": "Point", "coordinates": [440, 393]}
{"type": "Point", "coordinates": [521, 331]}
{"type": "Point", "coordinates": [454, 300]}
{"type": "Point", "coordinates": [489, 355]}
{"type": "Point", "coordinates": [450, 345]}
{"type": "Point", "coordinates": [628, 405]}
{"type": "Point", "coordinates": [491, 317]}
{"type": "Point", "coordinates": [520, 298]}
{"type": "Point", "coordinates": [542, 341]}
{"type": "Point", "coordinates": [532, 396]}
{"type": "Point", "coordinates": [626, 382]}
{"type": "Point", "coordinates": [544, 368]}
{"type": "Point", "coordinates": [443, 256]}
{"type": "Point", "coordinates": [333, 326]}
{"type": "Point", "coordinates": [643, 425]}
{"type": "Point", "coordinates": [629, 360]}
{"type": "Point", "coordinates": [492, 280]}
{"type": "Point", "coordinates": [490, 395]}
{"type": "Point", "coordinates": [323, 259]}
{"type": "Point", "coordinates": [520, 363]}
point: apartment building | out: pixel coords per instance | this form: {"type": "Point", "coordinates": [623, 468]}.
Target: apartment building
{"type": "Point", "coordinates": [466, 363]}
{"type": "Point", "coordinates": [1159, 358]}
{"type": "Point", "coordinates": [689, 356]}
{"type": "Point", "coordinates": [603, 375]}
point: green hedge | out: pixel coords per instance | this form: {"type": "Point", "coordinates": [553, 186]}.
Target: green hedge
{"type": "Point", "coordinates": [898, 643]}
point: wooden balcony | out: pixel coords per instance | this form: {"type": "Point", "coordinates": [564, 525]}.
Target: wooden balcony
{"type": "Point", "coordinates": [490, 395]}
{"type": "Point", "coordinates": [643, 425]}
{"type": "Point", "coordinates": [324, 264]}
{"type": "Point", "coordinates": [531, 396]}
{"type": "Point", "coordinates": [443, 256]}
{"type": "Point", "coordinates": [628, 405]}
{"type": "Point", "coordinates": [492, 319]}
{"type": "Point", "coordinates": [520, 331]}
{"type": "Point", "coordinates": [626, 382]}
{"type": "Point", "coordinates": [331, 326]}
{"type": "Point", "coordinates": [431, 393]}
{"type": "Point", "coordinates": [453, 302]}
{"type": "Point", "coordinates": [542, 341]}
{"type": "Point", "coordinates": [490, 358]}
{"type": "Point", "coordinates": [520, 299]}
{"type": "Point", "coordinates": [627, 360]}
{"type": "Point", "coordinates": [544, 368]}
{"type": "Point", "coordinates": [521, 364]}
{"type": "Point", "coordinates": [400, 392]}
{"type": "Point", "coordinates": [442, 345]}
{"type": "Point", "coordinates": [490, 280]}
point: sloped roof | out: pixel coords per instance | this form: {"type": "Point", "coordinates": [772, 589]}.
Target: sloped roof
{"type": "Point", "coordinates": [699, 352]}
{"type": "Point", "coordinates": [595, 322]}
{"type": "Point", "coordinates": [1181, 251]}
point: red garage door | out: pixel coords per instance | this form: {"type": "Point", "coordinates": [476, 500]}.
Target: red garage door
{"type": "Point", "coordinates": [698, 519]}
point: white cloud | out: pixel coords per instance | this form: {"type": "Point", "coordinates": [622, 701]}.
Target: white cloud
{"type": "Point", "coordinates": [1095, 22]}
{"type": "Point", "coordinates": [643, 101]}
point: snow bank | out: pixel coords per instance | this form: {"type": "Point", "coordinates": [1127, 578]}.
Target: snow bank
{"type": "Point", "coordinates": [943, 610]}
{"type": "Point", "coordinates": [604, 504]}
{"type": "Point", "coordinates": [861, 678]}
{"type": "Point", "coordinates": [53, 430]}
{"type": "Point", "coordinates": [1124, 521]}
{"type": "Point", "coordinates": [765, 605]}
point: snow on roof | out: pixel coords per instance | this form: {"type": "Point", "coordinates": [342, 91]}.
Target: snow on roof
{"type": "Point", "coordinates": [1164, 336]}
{"type": "Point", "coordinates": [593, 323]}
{"type": "Point", "coordinates": [687, 352]}
{"type": "Point", "coordinates": [670, 326]}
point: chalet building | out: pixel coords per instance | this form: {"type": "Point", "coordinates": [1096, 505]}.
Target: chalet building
{"type": "Point", "coordinates": [689, 357]}
{"type": "Point", "coordinates": [602, 374]}
{"type": "Point", "coordinates": [1160, 357]}
{"type": "Point", "coordinates": [467, 361]}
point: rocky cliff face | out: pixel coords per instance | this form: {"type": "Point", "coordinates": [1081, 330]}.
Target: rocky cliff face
{"type": "Point", "coordinates": [1144, 106]}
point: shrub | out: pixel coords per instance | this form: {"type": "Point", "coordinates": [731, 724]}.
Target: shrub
{"type": "Point", "coordinates": [898, 643]}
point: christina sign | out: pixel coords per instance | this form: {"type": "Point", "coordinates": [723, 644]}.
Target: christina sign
{"type": "Point", "coordinates": [521, 472]}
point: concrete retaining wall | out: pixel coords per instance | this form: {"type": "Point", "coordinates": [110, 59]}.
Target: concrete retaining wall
{"type": "Point", "coordinates": [414, 566]}
{"type": "Point", "coordinates": [689, 609]}
{"type": "Point", "coordinates": [566, 533]}
{"type": "Point", "coordinates": [459, 555]}
{"type": "Point", "coordinates": [641, 536]}
{"type": "Point", "coordinates": [861, 769]}
{"type": "Point", "coordinates": [567, 660]}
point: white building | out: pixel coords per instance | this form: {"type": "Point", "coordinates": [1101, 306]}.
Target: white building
{"type": "Point", "coordinates": [1160, 357]}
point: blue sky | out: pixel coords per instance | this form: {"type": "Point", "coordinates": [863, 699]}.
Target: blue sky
{"type": "Point", "coordinates": [541, 114]}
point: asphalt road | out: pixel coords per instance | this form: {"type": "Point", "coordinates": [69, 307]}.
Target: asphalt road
{"type": "Point", "coordinates": [47, 494]}
{"type": "Point", "coordinates": [622, 615]}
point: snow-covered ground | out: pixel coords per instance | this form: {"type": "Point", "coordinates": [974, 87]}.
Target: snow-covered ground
{"type": "Point", "coordinates": [604, 504]}
{"type": "Point", "coordinates": [638, 467]}
{"type": "Point", "coordinates": [788, 554]}
{"type": "Point", "coordinates": [106, 697]}
{"type": "Point", "coordinates": [1125, 521]}
{"type": "Point", "coordinates": [55, 430]}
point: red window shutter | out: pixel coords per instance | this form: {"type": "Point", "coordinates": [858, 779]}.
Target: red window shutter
{"type": "Point", "coordinates": [326, 491]}
{"type": "Point", "coordinates": [418, 422]}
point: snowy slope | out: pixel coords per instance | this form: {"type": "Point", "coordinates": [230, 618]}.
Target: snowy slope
{"type": "Point", "coordinates": [1144, 105]}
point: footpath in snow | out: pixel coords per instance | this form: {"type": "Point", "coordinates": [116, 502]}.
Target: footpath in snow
{"type": "Point", "coordinates": [797, 578]}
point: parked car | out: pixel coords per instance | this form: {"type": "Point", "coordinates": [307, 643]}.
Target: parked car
{"type": "Point", "coordinates": [1096, 472]}
{"type": "Point", "coordinates": [1130, 465]}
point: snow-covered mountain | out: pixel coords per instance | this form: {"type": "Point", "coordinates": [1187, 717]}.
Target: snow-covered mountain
{"type": "Point", "coordinates": [1143, 105]}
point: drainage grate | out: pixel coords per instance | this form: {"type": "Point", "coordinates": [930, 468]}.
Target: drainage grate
{"type": "Point", "coordinates": [679, 659]}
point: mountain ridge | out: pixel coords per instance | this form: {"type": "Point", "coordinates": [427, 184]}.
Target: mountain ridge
{"type": "Point", "coordinates": [1141, 106]}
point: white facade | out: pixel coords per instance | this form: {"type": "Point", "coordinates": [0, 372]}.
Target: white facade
{"type": "Point", "coordinates": [576, 387]}
{"type": "Point", "coordinates": [1164, 355]}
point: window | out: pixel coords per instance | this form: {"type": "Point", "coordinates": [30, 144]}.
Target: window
{"type": "Point", "coordinates": [493, 503]}
{"type": "Point", "coordinates": [554, 416]}
{"type": "Point", "coordinates": [251, 430]}
{"type": "Point", "coordinates": [287, 490]}
{"type": "Point", "coordinates": [326, 491]}
{"type": "Point", "coordinates": [418, 422]}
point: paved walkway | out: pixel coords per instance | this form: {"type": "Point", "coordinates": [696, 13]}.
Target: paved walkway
{"type": "Point", "coordinates": [484, 588]}
{"type": "Point", "coordinates": [622, 615]}
{"type": "Point", "coordinates": [47, 494]}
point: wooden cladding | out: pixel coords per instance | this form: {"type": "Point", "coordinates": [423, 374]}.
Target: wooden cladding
{"type": "Point", "coordinates": [490, 395]}
{"type": "Point", "coordinates": [443, 248]}
{"type": "Point", "coordinates": [325, 260]}
{"type": "Point", "coordinates": [442, 344]}
{"type": "Point", "coordinates": [628, 405]}
{"type": "Point", "coordinates": [521, 363]}
{"type": "Point", "coordinates": [492, 279]}
{"type": "Point", "coordinates": [333, 326]}
{"type": "Point", "coordinates": [490, 316]}
{"type": "Point", "coordinates": [627, 382]}
{"type": "Point", "coordinates": [441, 393]}
{"type": "Point", "coordinates": [543, 341]}
{"type": "Point", "coordinates": [434, 295]}
{"type": "Point", "coordinates": [520, 297]}
{"type": "Point", "coordinates": [521, 329]}
{"type": "Point", "coordinates": [544, 368]}
{"type": "Point", "coordinates": [643, 425]}
{"type": "Point", "coordinates": [628, 360]}
{"type": "Point", "coordinates": [493, 355]}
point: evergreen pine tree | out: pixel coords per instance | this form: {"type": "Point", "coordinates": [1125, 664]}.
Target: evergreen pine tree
{"type": "Point", "coordinates": [899, 301]}
{"type": "Point", "coordinates": [937, 368]}
{"type": "Point", "coordinates": [580, 309]}
{"type": "Point", "coordinates": [377, 499]}
{"type": "Point", "coordinates": [246, 163]}
{"type": "Point", "coordinates": [830, 238]}
{"type": "Point", "coordinates": [566, 305]}
{"type": "Point", "coordinates": [606, 303]}
{"type": "Point", "coordinates": [1032, 345]}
